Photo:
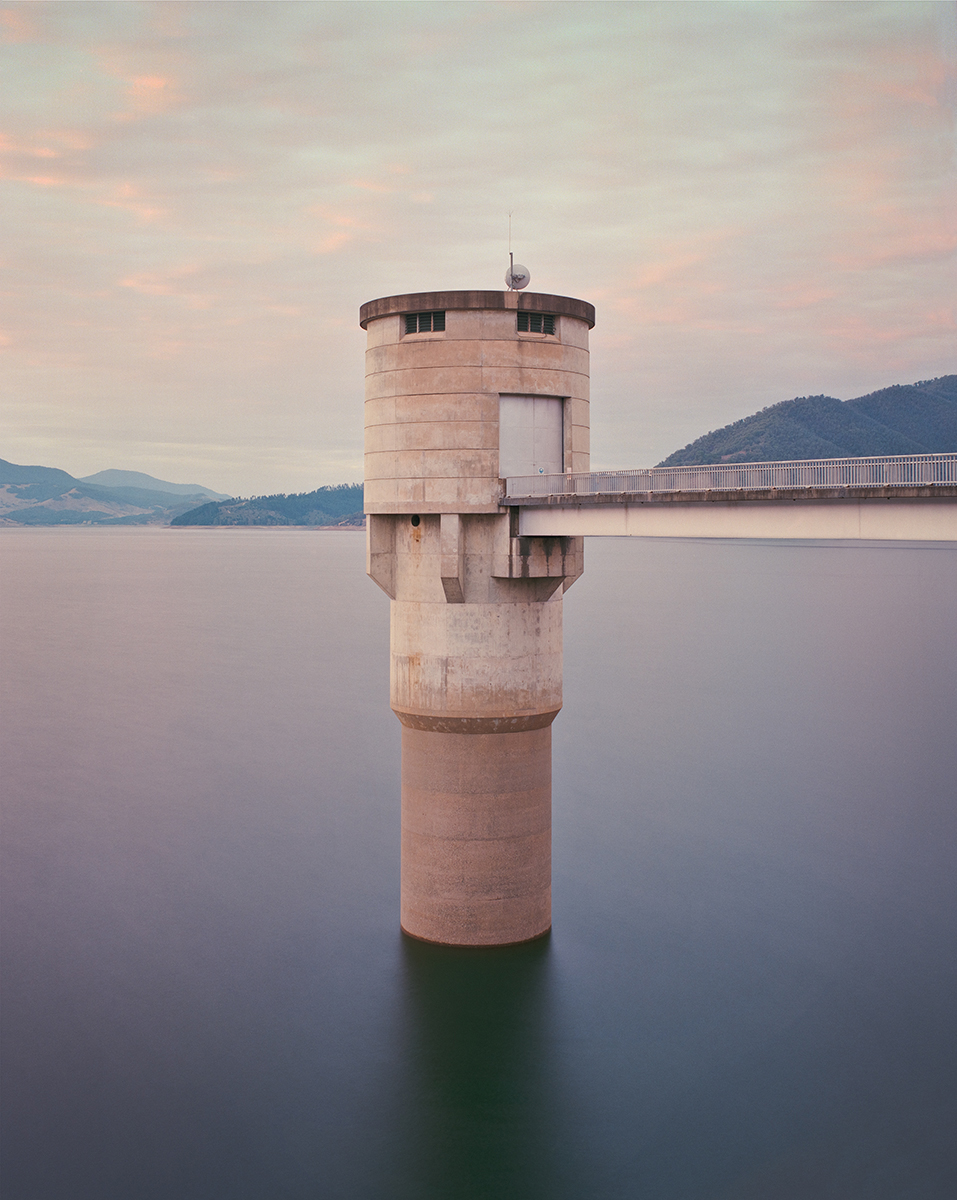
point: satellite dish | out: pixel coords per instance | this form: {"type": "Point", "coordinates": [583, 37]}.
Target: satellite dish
{"type": "Point", "coordinates": [517, 277]}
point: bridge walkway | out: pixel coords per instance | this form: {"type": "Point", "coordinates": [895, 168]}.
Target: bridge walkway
{"type": "Point", "coordinates": [896, 497]}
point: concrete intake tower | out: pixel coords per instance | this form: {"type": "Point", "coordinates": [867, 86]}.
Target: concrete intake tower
{"type": "Point", "coordinates": [464, 389]}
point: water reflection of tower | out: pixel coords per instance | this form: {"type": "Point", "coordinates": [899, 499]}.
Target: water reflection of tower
{"type": "Point", "coordinates": [481, 1093]}
{"type": "Point", "coordinates": [462, 390]}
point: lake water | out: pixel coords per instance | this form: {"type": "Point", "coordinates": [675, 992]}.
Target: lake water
{"type": "Point", "coordinates": [750, 991]}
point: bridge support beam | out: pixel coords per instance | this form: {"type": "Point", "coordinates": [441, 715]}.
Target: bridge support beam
{"type": "Point", "coordinates": [878, 519]}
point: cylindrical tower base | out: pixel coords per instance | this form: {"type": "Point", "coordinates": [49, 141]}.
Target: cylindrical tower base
{"type": "Point", "coordinates": [476, 836]}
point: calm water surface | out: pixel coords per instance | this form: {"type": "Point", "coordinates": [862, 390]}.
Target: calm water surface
{"type": "Point", "coordinates": [750, 992]}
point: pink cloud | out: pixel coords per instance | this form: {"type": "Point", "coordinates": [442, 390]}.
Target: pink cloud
{"type": "Point", "coordinates": [148, 284]}
{"type": "Point", "coordinates": [333, 242]}
{"type": "Point", "coordinates": [799, 296]}
{"type": "Point", "coordinates": [16, 26]}
{"type": "Point", "coordinates": [145, 87]}
{"type": "Point", "coordinates": [44, 181]}
{"type": "Point", "coordinates": [899, 237]}
{"type": "Point", "coordinates": [344, 227]}
{"type": "Point", "coordinates": [858, 334]}
{"type": "Point", "coordinates": [129, 197]}
{"type": "Point", "coordinates": [148, 95]}
{"type": "Point", "coordinates": [173, 283]}
{"type": "Point", "coordinates": [9, 146]}
{"type": "Point", "coordinates": [370, 185]}
{"type": "Point", "coordinates": [924, 75]}
{"type": "Point", "coordinates": [18, 162]}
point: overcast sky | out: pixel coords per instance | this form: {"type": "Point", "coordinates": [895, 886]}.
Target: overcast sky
{"type": "Point", "coordinates": [759, 199]}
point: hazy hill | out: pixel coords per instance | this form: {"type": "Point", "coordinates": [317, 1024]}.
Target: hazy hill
{"type": "Point", "coordinates": [33, 495]}
{"type": "Point", "coordinates": [340, 504]}
{"type": "Point", "coordinates": [12, 473]}
{"type": "Point", "coordinates": [917, 418]}
{"type": "Point", "coordinates": [137, 479]}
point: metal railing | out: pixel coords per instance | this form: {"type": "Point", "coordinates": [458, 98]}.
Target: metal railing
{"type": "Point", "coordinates": [892, 470]}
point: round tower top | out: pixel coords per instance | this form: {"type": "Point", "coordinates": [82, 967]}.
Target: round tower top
{"type": "Point", "coordinates": [451, 301]}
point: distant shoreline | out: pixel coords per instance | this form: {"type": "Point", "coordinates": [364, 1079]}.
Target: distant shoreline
{"type": "Point", "coordinates": [177, 528]}
{"type": "Point", "coordinates": [309, 528]}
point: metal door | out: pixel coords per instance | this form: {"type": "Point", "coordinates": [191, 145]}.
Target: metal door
{"type": "Point", "coordinates": [531, 436]}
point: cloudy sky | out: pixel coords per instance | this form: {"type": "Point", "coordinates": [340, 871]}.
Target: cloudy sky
{"type": "Point", "coordinates": [759, 198]}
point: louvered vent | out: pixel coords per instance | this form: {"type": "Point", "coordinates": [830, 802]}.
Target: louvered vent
{"type": "Point", "coordinates": [529, 322]}
{"type": "Point", "coordinates": [430, 322]}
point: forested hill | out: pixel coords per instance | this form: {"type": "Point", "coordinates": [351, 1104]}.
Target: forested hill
{"type": "Point", "coordinates": [340, 504]}
{"type": "Point", "coordinates": [916, 418]}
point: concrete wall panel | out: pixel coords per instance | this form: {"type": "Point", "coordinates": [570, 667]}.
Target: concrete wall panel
{"type": "Point", "coordinates": [427, 351]}
{"type": "Point", "coordinates": [476, 325]}
{"type": "Point", "coordinates": [579, 410]}
{"type": "Point", "coordinates": [383, 357]}
{"type": "Point", "coordinates": [380, 438]}
{"type": "Point", "coordinates": [381, 495]}
{"type": "Point", "coordinates": [573, 333]}
{"type": "Point", "coordinates": [380, 383]}
{"type": "Point", "coordinates": [533, 382]}
{"type": "Point", "coordinates": [437, 463]}
{"type": "Point", "coordinates": [446, 435]}
{"type": "Point", "coordinates": [450, 407]}
{"type": "Point", "coordinates": [534, 353]}
{"type": "Point", "coordinates": [384, 332]}
{"type": "Point", "coordinates": [380, 411]}
{"type": "Point", "coordinates": [451, 495]}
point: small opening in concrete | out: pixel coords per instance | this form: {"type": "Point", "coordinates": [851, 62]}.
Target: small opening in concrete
{"type": "Point", "coordinates": [536, 322]}
{"type": "Point", "coordinates": [425, 322]}
{"type": "Point", "coordinates": [416, 519]}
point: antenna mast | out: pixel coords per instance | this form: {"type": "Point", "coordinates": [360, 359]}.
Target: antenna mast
{"type": "Point", "coordinates": [516, 277]}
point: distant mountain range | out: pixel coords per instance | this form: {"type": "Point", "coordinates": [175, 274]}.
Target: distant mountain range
{"type": "Point", "coordinates": [136, 479]}
{"type": "Point", "coordinates": [337, 505]}
{"type": "Point", "coordinates": [49, 496]}
{"type": "Point", "coordinates": [917, 418]}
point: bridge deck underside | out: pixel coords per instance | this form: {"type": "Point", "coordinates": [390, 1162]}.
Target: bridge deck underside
{"type": "Point", "coordinates": [926, 513]}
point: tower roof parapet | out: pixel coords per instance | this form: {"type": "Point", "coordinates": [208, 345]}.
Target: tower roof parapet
{"type": "Point", "coordinates": [412, 302]}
